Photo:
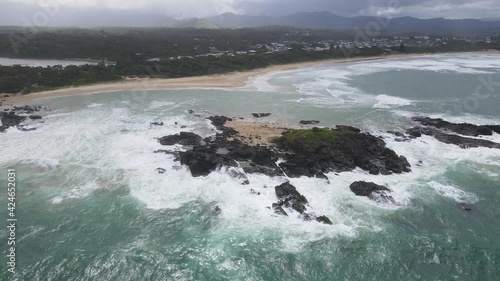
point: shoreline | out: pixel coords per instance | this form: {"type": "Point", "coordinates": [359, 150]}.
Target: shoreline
{"type": "Point", "coordinates": [229, 80]}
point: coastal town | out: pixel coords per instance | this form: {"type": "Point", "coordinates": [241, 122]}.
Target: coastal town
{"type": "Point", "coordinates": [387, 44]}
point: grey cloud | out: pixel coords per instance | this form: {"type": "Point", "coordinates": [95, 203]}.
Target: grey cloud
{"type": "Point", "coordinates": [105, 12]}
{"type": "Point", "coordinates": [416, 8]}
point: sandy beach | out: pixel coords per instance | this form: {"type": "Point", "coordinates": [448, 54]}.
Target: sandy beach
{"type": "Point", "coordinates": [231, 80]}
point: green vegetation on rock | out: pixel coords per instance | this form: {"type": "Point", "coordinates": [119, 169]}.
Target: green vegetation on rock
{"type": "Point", "coordinates": [310, 138]}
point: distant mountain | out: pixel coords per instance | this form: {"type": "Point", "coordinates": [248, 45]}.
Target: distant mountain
{"type": "Point", "coordinates": [95, 17]}
{"type": "Point", "coordinates": [230, 20]}
{"type": "Point", "coordinates": [327, 20]}
{"type": "Point", "coordinates": [443, 25]}
{"type": "Point", "coordinates": [196, 23]}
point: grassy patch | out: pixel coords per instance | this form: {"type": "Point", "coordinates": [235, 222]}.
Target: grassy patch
{"type": "Point", "coordinates": [312, 137]}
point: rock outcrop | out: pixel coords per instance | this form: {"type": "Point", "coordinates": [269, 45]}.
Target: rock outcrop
{"type": "Point", "coordinates": [183, 138]}
{"type": "Point", "coordinates": [322, 150]}
{"type": "Point", "coordinates": [10, 119]}
{"type": "Point", "coordinates": [462, 128]}
{"type": "Point", "coordinates": [463, 142]}
{"type": "Point", "coordinates": [373, 191]}
{"type": "Point", "coordinates": [290, 198]}
{"type": "Point", "coordinates": [13, 117]}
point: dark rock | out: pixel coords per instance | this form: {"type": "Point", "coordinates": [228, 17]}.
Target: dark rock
{"type": "Point", "coordinates": [35, 117]}
{"type": "Point", "coordinates": [217, 210]}
{"type": "Point", "coordinates": [362, 188]}
{"type": "Point", "coordinates": [10, 119]}
{"type": "Point", "coordinates": [156, 124]}
{"type": "Point", "coordinates": [397, 134]}
{"type": "Point", "coordinates": [183, 138]}
{"type": "Point", "coordinates": [494, 128]}
{"type": "Point", "coordinates": [463, 142]}
{"type": "Point", "coordinates": [462, 128]}
{"type": "Point", "coordinates": [322, 176]}
{"type": "Point", "coordinates": [414, 132]}
{"type": "Point", "coordinates": [161, 170]}
{"type": "Point", "coordinates": [309, 122]}
{"type": "Point", "coordinates": [347, 128]}
{"type": "Point", "coordinates": [374, 171]}
{"type": "Point", "coordinates": [290, 197]}
{"type": "Point", "coordinates": [163, 151]}
{"type": "Point", "coordinates": [218, 122]}
{"type": "Point", "coordinates": [381, 197]}
{"type": "Point", "coordinates": [324, 219]}
{"type": "Point", "coordinates": [279, 210]}
{"type": "Point", "coordinates": [306, 217]}
{"type": "Point", "coordinates": [375, 192]}
{"type": "Point", "coordinates": [200, 164]}
{"type": "Point", "coordinates": [260, 115]}
{"type": "Point", "coordinates": [346, 149]}
{"type": "Point", "coordinates": [316, 151]}
{"type": "Point", "coordinates": [233, 172]}
{"type": "Point", "coordinates": [384, 172]}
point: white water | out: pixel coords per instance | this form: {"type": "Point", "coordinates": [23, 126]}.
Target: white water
{"type": "Point", "coordinates": [105, 145]}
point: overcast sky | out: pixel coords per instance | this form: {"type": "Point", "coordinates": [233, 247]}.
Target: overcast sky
{"type": "Point", "coordinates": [11, 11]}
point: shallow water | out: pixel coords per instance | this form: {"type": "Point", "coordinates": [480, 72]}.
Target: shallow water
{"type": "Point", "coordinates": [42, 62]}
{"type": "Point", "coordinates": [91, 205]}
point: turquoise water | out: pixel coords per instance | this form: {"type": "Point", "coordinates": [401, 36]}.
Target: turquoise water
{"type": "Point", "coordinates": [91, 205]}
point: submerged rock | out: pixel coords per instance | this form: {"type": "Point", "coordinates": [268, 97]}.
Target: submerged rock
{"type": "Point", "coordinates": [278, 209]}
{"type": "Point", "coordinates": [309, 122]}
{"type": "Point", "coordinates": [156, 124]}
{"type": "Point", "coordinates": [238, 175]}
{"type": "Point", "coordinates": [465, 207]}
{"type": "Point", "coordinates": [324, 219]}
{"type": "Point", "coordinates": [260, 115]}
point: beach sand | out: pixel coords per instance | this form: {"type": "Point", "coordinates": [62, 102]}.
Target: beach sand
{"type": "Point", "coordinates": [231, 80]}
{"type": "Point", "coordinates": [257, 131]}
{"type": "Point", "coordinates": [254, 132]}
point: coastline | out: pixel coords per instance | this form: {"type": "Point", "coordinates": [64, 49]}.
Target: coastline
{"type": "Point", "coordinates": [230, 80]}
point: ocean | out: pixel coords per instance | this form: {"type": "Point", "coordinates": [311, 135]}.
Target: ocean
{"type": "Point", "coordinates": [91, 204]}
